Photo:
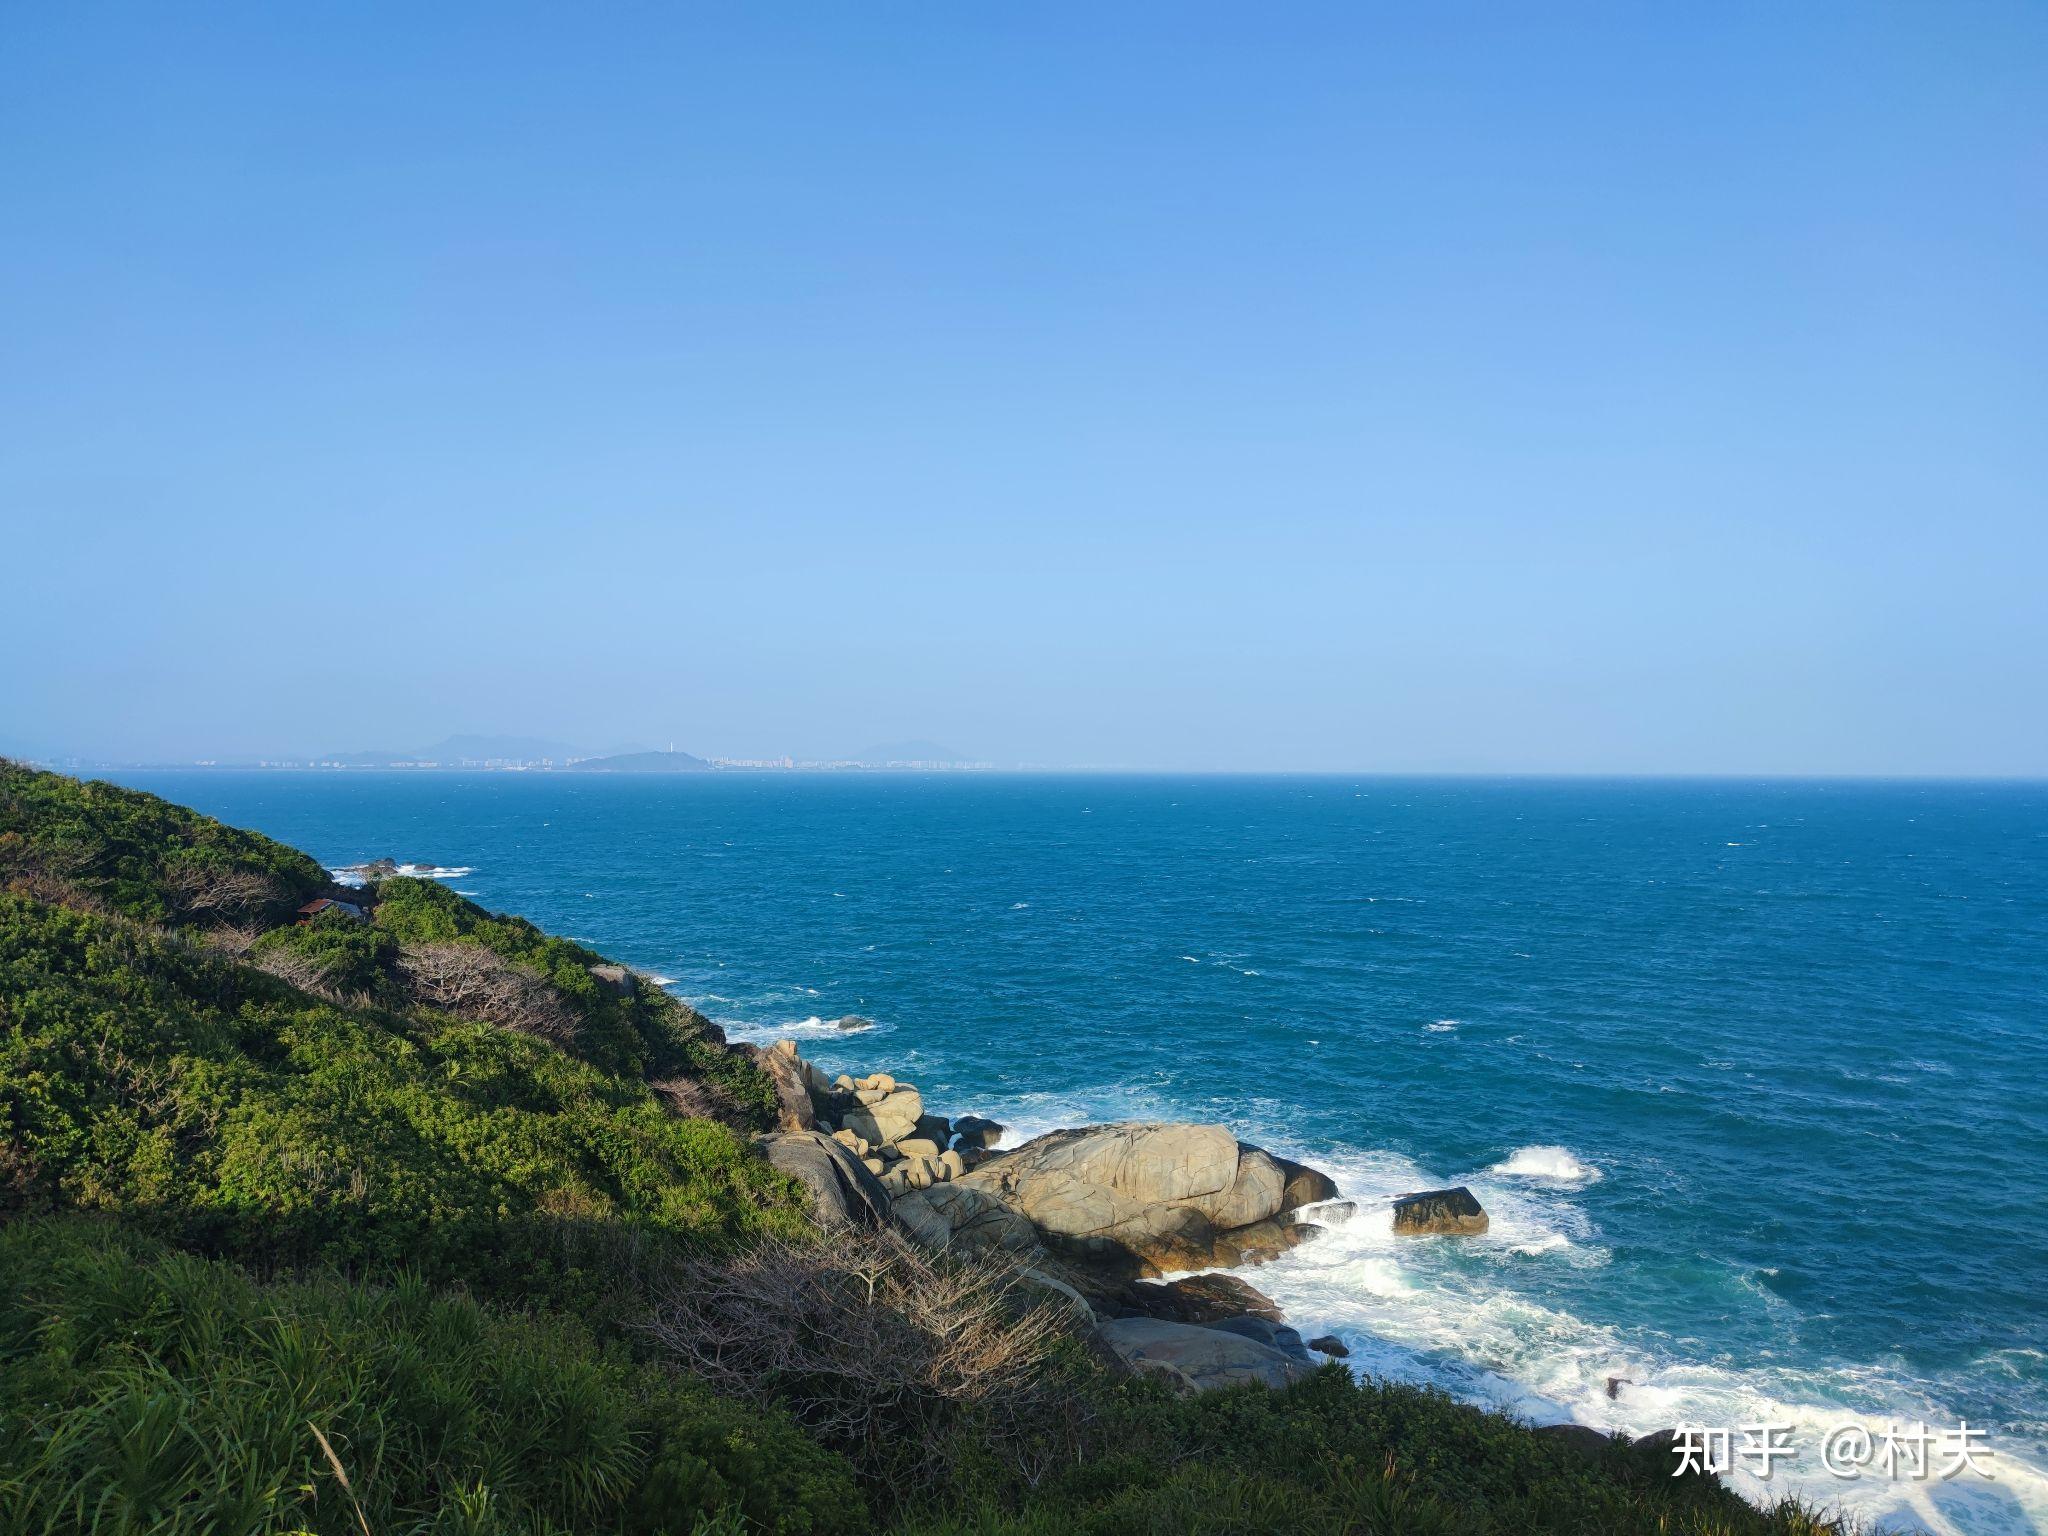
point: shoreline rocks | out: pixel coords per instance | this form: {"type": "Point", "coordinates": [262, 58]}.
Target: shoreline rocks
{"type": "Point", "coordinates": [1201, 1359]}
{"type": "Point", "coordinates": [1091, 1216]}
{"type": "Point", "coordinates": [1446, 1212]}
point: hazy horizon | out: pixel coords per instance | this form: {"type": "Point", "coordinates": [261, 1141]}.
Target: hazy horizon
{"type": "Point", "coordinates": [1354, 389]}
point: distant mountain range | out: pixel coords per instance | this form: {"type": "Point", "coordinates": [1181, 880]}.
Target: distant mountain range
{"type": "Point", "coordinates": [480, 751]}
{"type": "Point", "coordinates": [642, 762]}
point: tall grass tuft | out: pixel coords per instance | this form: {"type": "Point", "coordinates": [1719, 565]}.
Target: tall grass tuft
{"type": "Point", "coordinates": [145, 1392]}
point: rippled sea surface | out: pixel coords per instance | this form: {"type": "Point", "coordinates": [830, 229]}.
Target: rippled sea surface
{"type": "Point", "coordinates": [1752, 1077]}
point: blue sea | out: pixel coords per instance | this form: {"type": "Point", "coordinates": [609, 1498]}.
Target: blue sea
{"type": "Point", "coordinates": [1753, 1077]}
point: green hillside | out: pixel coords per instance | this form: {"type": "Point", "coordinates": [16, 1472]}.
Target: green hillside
{"type": "Point", "coordinates": [370, 1224]}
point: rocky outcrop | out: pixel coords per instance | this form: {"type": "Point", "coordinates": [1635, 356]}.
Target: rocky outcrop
{"type": "Point", "coordinates": [1197, 1299]}
{"type": "Point", "coordinates": [843, 1193]}
{"type": "Point", "coordinates": [786, 1070]}
{"type": "Point", "coordinates": [954, 1215]}
{"type": "Point", "coordinates": [1272, 1333]}
{"type": "Point", "coordinates": [1203, 1359]}
{"type": "Point", "coordinates": [1080, 1214]}
{"type": "Point", "coordinates": [1305, 1186]}
{"type": "Point", "coordinates": [883, 1116]}
{"type": "Point", "coordinates": [1329, 1344]}
{"type": "Point", "coordinates": [1452, 1212]}
{"type": "Point", "coordinates": [1141, 1198]}
{"type": "Point", "coordinates": [615, 979]}
{"type": "Point", "coordinates": [973, 1132]}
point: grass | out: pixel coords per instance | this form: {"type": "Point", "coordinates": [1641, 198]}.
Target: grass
{"type": "Point", "coordinates": [144, 1390]}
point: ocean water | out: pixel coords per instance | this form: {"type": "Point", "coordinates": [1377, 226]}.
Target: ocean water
{"type": "Point", "coordinates": [1753, 1077]}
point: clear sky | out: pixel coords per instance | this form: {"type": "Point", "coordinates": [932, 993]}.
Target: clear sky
{"type": "Point", "coordinates": [1358, 386]}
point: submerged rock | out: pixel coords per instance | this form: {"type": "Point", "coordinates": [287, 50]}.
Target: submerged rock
{"type": "Point", "coordinates": [1452, 1212]}
{"type": "Point", "coordinates": [1329, 1344]}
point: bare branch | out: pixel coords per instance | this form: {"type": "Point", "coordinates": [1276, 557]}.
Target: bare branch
{"type": "Point", "coordinates": [473, 983]}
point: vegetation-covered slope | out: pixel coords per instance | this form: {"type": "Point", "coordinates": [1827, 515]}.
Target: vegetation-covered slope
{"type": "Point", "coordinates": [375, 1226]}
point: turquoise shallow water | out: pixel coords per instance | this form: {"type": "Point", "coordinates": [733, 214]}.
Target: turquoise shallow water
{"type": "Point", "coordinates": [1751, 1076]}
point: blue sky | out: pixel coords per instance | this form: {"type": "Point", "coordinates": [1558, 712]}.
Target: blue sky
{"type": "Point", "coordinates": [1495, 388]}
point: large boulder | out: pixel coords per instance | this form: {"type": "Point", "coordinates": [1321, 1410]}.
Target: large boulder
{"type": "Point", "coordinates": [975, 1133]}
{"type": "Point", "coordinates": [843, 1193]}
{"type": "Point", "coordinates": [1254, 1195]}
{"type": "Point", "coordinates": [1260, 1241]}
{"type": "Point", "coordinates": [615, 979]}
{"type": "Point", "coordinates": [951, 1215]}
{"type": "Point", "coordinates": [1141, 1197]}
{"type": "Point", "coordinates": [1272, 1333]}
{"type": "Point", "coordinates": [1197, 1299]}
{"type": "Point", "coordinates": [1305, 1186]}
{"type": "Point", "coordinates": [786, 1070]}
{"type": "Point", "coordinates": [1207, 1358]}
{"type": "Point", "coordinates": [892, 1116]}
{"type": "Point", "coordinates": [1451, 1212]}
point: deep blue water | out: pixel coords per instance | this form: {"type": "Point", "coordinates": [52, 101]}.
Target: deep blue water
{"type": "Point", "coordinates": [1751, 1075]}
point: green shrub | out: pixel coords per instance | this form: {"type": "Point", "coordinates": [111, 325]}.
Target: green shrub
{"type": "Point", "coordinates": [642, 1033]}
{"type": "Point", "coordinates": [143, 856]}
{"type": "Point", "coordinates": [337, 956]}
{"type": "Point", "coordinates": [142, 1075]}
{"type": "Point", "coordinates": [147, 1391]}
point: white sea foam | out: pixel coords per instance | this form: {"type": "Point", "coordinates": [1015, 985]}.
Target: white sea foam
{"type": "Point", "coordinates": [1422, 1310]}
{"type": "Point", "coordinates": [811, 1028]}
{"type": "Point", "coordinates": [1557, 1164]}
{"type": "Point", "coordinates": [1441, 1027]}
{"type": "Point", "coordinates": [1446, 1312]}
{"type": "Point", "coordinates": [352, 875]}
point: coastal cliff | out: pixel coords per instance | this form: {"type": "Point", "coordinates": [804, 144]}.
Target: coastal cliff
{"type": "Point", "coordinates": [365, 1209]}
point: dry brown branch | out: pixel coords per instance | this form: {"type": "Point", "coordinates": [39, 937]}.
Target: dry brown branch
{"type": "Point", "coordinates": [473, 983]}
{"type": "Point", "coordinates": [886, 1352]}
{"type": "Point", "coordinates": [210, 893]}
{"type": "Point", "coordinates": [299, 970]}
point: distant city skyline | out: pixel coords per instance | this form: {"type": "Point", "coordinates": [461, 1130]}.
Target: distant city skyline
{"type": "Point", "coordinates": [1342, 388]}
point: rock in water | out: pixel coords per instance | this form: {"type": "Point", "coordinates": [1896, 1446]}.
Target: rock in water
{"type": "Point", "coordinates": [1143, 1197]}
{"type": "Point", "coordinates": [975, 1133]}
{"type": "Point", "coordinates": [1329, 1344]}
{"type": "Point", "coordinates": [1305, 1186]}
{"type": "Point", "coordinates": [1452, 1212]}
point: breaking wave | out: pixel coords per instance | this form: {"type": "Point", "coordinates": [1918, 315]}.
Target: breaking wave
{"type": "Point", "coordinates": [1557, 1164]}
